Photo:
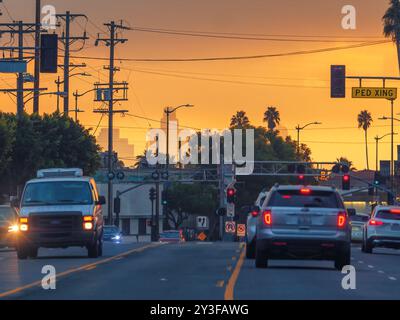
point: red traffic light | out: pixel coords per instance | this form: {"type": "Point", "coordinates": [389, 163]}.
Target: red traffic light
{"type": "Point", "coordinates": [230, 195]}
{"type": "Point", "coordinates": [346, 178]}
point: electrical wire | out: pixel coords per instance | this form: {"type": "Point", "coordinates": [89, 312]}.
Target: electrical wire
{"type": "Point", "coordinates": [233, 37]}
{"type": "Point", "coordinates": [250, 57]}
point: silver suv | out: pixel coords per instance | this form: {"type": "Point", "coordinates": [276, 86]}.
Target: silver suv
{"type": "Point", "coordinates": [298, 222]}
{"type": "Point", "coordinates": [382, 229]}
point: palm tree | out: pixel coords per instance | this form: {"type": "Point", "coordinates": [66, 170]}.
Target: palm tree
{"type": "Point", "coordinates": [391, 23]}
{"type": "Point", "coordinates": [272, 118]}
{"type": "Point", "coordinates": [348, 162]}
{"type": "Point", "coordinates": [240, 120]}
{"type": "Point", "coordinates": [364, 119]}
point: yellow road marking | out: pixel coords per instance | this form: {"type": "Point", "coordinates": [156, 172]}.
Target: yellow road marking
{"type": "Point", "coordinates": [82, 268]}
{"type": "Point", "coordinates": [235, 274]}
{"type": "Point", "coordinates": [220, 283]}
{"type": "Point", "coordinates": [90, 268]}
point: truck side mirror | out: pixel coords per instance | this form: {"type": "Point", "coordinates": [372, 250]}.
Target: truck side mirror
{"type": "Point", "coordinates": [101, 201]}
{"type": "Point", "coordinates": [14, 201]}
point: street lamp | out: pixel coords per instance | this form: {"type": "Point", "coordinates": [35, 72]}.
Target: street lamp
{"type": "Point", "coordinates": [298, 128]}
{"type": "Point", "coordinates": [58, 93]}
{"type": "Point", "coordinates": [392, 119]}
{"type": "Point", "coordinates": [377, 139]}
{"type": "Point", "coordinates": [59, 82]}
{"type": "Point", "coordinates": [168, 111]}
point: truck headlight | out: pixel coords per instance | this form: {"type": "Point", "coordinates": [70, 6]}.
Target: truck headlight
{"type": "Point", "coordinates": [88, 223]}
{"type": "Point", "coordinates": [13, 228]}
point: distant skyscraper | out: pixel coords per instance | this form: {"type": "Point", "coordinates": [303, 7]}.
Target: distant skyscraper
{"type": "Point", "coordinates": [125, 151]}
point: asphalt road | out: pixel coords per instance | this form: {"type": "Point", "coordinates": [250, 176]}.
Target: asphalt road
{"type": "Point", "coordinates": [194, 271]}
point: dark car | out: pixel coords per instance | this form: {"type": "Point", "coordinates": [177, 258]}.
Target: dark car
{"type": "Point", "coordinates": [8, 226]}
{"type": "Point", "coordinates": [112, 233]}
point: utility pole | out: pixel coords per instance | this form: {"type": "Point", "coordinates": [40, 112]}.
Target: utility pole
{"type": "Point", "coordinates": [67, 41]}
{"type": "Point", "coordinates": [108, 91]}
{"type": "Point", "coordinates": [36, 82]}
{"type": "Point", "coordinates": [19, 28]}
{"type": "Point", "coordinates": [20, 77]}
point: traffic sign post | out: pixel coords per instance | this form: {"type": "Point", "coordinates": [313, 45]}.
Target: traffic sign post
{"type": "Point", "coordinates": [230, 227]}
{"type": "Point", "coordinates": [374, 93]}
{"type": "Point", "coordinates": [241, 230]}
{"type": "Point", "coordinates": [202, 222]}
{"type": "Point", "coordinates": [230, 210]}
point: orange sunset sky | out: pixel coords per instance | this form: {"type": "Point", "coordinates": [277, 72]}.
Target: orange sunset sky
{"type": "Point", "coordinates": [297, 85]}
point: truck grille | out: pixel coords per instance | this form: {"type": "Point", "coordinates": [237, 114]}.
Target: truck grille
{"type": "Point", "coordinates": [56, 222]}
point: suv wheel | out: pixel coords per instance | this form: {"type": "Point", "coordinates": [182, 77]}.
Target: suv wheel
{"type": "Point", "coordinates": [251, 250]}
{"type": "Point", "coordinates": [93, 248]}
{"type": "Point", "coordinates": [368, 247]}
{"type": "Point", "coordinates": [343, 258]}
{"type": "Point", "coordinates": [261, 258]}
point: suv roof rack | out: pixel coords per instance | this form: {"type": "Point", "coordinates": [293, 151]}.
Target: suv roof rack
{"type": "Point", "coordinates": [59, 172]}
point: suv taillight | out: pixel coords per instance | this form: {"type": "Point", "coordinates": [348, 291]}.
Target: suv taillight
{"type": "Point", "coordinates": [375, 223]}
{"type": "Point", "coordinates": [267, 217]}
{"type": "Point", "coordinates": [341, 220]}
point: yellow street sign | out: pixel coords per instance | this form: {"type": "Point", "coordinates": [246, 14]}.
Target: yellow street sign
{"type": "Point", "coordinates": [375, 93]}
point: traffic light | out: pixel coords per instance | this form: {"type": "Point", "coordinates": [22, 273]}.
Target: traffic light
{"type": "Point", "coordinates": [152, 194]}
{"type": "Point", "coordinates": [346, 182]}
{"type": "Point", "coordinates": [338, 81]}
{"type": "Point", "coordinates": [48, 53]}
{"type": "Point", "coordinates": [230, 195]}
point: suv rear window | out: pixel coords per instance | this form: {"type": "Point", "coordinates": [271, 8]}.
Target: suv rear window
{"type": "Point", "coordinates": [387, 215]}
{"type": "Point", "coordinates": [313, 199]}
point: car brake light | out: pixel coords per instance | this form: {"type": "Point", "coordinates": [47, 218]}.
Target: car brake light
{"type": "Point", "coordinates": [395, 211]}
{"type": "Point", "coordinates": [254, 213]}
{"type": "Point", "coordinates": [305, 191]}
{"type": "Point", "coordinates": [286, 196]}
{"type": "Point", "coordinates": [375, 222]}
{"type": "Point", "coordinates": [267, 217]}
{"type": "Point", "coordinates": [341, 220]}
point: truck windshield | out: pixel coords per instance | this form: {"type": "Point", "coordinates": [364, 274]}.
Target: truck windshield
{"type": "Point", "coordinates": [294, 198]}
{"type": "Point", "coordinates": [57, 193]}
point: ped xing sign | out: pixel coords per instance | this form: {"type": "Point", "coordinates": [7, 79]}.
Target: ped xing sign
{"type": "Point", "coordinates": [375, 93]}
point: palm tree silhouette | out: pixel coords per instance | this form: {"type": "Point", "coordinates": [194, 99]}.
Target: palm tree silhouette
{"type": "Point", "coordinates": [391, 25]}
{"type": "Point", "coordinates": [364, 120]}
{"type": "Point", "coordinates": [272, 118]}
{"type": "Point", "coordinates": [240, 120]}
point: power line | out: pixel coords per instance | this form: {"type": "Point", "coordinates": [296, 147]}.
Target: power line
{"type": "Point", "coordinates": [231, 81]}
{"type": "Point", "coordinates": [235, 37]}
{"type": "Point", "coordinates": [250, 57]}
{"type": "Point", "coordinates": [263, 35]}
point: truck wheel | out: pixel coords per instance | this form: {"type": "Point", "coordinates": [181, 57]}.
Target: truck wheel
{"type": "Point", "coordinates": [22, 253]}
{"type": "Point", "coordinates": [93, 248]}
{"type": "Point", "coordinates": [33, 252]}
{"type": "Point", "coordinates": [343, 258]}
{"type": "Point", "coordinates": [251, 250]}
{"type": "Point", "coordinates": [261, 258]}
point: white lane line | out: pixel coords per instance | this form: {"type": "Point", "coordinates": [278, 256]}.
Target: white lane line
{"type": "Point", "coordinates": [360, 262]}
{"type": "Point", "coordinates": [371, 267]}
{"type": "Point", "coordinates": [392, 278]}
{"type": "Point", "coordinates": [380, 271]}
